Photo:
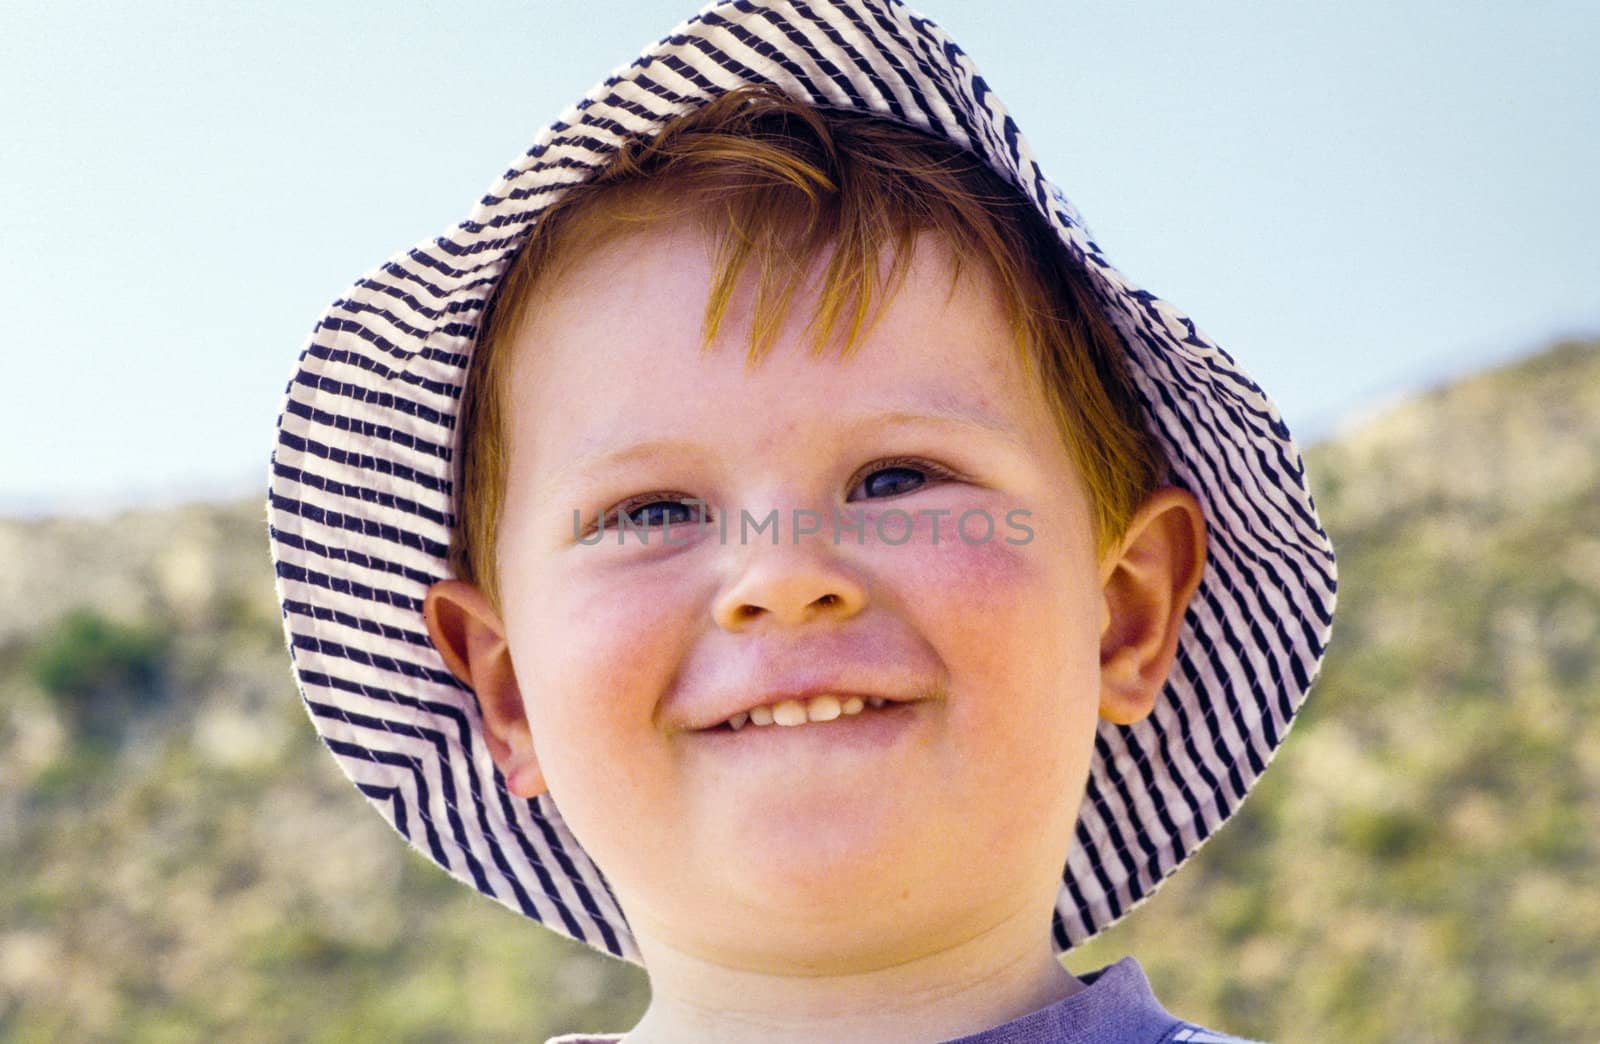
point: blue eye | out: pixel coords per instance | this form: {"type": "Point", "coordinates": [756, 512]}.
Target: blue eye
{"type": "Point", "coordinates": [662, 513]}
{"type": "Point", "coordinates": [889, 482]}
{"type": "Point", "coordinates": [652, 511]}
{"type": "Point", "coordinates": [892, 478]}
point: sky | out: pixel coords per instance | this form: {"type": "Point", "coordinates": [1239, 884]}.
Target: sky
{"type": "Point", "coordinates": [1357, 199]}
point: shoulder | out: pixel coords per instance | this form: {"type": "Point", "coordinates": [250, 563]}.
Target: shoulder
{"type": "Point", "coordinates": [1120, 1006]}
{"type": "Point", "coordinates": [1189, 1033]}
{"type": "Point", "coordinates": [1117, 1007]}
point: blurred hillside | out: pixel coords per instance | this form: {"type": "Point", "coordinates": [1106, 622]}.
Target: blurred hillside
{"type": "Point", "coordinates": [183, 862]}
{"type": "Point", "coordinates": [1419, 864]}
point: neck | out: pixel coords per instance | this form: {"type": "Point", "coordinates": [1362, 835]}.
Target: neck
{"type": "Point", "coordinates": [978, 983]}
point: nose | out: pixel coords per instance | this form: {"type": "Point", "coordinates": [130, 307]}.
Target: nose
{"type": "Point", "coordinates": [790, 585]}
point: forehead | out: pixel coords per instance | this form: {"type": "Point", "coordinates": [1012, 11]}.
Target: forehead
{"type": "Point", "coordinates": [612, 352]}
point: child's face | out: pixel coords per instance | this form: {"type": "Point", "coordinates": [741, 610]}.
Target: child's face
{"type": "Point", "coordinates": [826, 845]}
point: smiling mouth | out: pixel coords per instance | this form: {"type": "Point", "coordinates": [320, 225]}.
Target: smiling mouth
{"type": "Point", "coordinates": [794, 713]}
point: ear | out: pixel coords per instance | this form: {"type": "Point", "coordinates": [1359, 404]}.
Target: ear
{"type": "Point", "coordinates": [467, 631]}
{"type": "Point", "coordinates": [1147, 581]}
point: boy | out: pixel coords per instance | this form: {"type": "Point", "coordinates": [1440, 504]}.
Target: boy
{"type": "Point", "coordinates": [758, 543]}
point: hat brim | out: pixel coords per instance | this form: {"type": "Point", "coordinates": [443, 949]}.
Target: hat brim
{"type": "Point", "coordinates": [362, 475]}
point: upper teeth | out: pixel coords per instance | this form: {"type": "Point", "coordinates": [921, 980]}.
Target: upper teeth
{"type": "Point", "coordinates": [797, 712]}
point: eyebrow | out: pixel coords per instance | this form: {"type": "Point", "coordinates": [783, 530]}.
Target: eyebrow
{"type": "Point", "coordinates": [951, 416]}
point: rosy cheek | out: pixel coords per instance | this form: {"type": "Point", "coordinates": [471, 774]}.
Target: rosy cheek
{"type": "Point", "coordinates": [986, 603]}
{"type": "Point", "coordinates": [973, 560]}
{"type": "Point", "coordinates": [600, 637]}
{"type": "Point", "coordinates": [1019, 639]}
{"type": "Point", "coordinates": [988, 577]}
{"type": "Point", "coordinates": [602, 649]}
{"type": "Point", "coordinates": [602, 652]}
{"type": "Point", "coordinates": [1017, 614]}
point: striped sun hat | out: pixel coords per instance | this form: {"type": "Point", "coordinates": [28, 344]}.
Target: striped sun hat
{"type": "Point", "coordinates": [363, 473]}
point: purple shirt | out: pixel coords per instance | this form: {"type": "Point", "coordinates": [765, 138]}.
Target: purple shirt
{"type": "Point", "coordinates": [1117, 1008]}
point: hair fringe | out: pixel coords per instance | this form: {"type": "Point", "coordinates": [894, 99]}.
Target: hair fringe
{"type": "Point", "coordinates": [778, 184]}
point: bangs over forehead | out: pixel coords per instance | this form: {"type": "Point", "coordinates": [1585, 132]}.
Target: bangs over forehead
{"type": "Point", "coordinates": [778, 186]}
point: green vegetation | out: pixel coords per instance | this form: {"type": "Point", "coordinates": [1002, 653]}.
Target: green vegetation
{"type": "Point", "coordinates": [102, 674]}
{"type": "Point", "coordinates": [183, 861]}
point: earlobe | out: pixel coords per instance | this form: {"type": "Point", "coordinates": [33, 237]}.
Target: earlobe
{"type": "Point", "coordinates": [469, 635]}
{"type": "Point", "coordinates": [1147, 583]}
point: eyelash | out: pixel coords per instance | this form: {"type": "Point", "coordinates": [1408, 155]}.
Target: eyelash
{"type": "Point", "coordinates": [933, 472]}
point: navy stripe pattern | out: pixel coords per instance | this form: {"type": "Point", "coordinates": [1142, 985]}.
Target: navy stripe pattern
{"type": "Point", "coordinates": [362, 477]}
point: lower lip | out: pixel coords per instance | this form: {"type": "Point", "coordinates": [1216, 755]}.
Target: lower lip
{"type": "Point", "coordinates": [874, 729]}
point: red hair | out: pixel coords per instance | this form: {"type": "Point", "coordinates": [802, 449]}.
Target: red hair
{"type": "Point", "coordinates": [779, 185]}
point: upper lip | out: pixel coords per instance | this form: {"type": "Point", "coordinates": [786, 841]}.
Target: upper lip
{"type": "Point", "coordinates": [724, 677]}
{"type": "Point", "coordinates": [725, 709]}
